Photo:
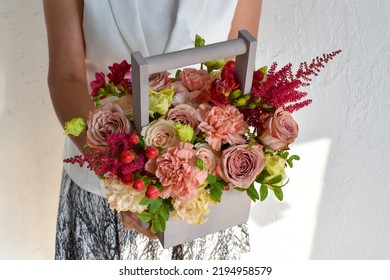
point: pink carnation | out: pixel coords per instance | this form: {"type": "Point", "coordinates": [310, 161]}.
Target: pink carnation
{"type": "Point", "coordinates": [224, 125]}
{"type": "Point", "coordinates": [178, 173]}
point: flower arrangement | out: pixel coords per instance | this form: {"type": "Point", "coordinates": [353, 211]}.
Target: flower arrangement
{"type": "Point", "coordinates": [205, 137]}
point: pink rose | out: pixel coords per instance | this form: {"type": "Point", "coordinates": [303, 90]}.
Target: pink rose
{"type": "Point", "coordinates": [224, 125]}
{"type": "Point", "coordinates": [178, 173]}
{"type": "Point", "coordinates": [240, 165]}
{"type": "Point", "coordinates": [280, 130]}
{"type": "Point", "coordinates": [109, 119]}
{"type": "Point", "coordinates": [195, 79]}
{"type": "Point", "coordinates": [184, 114]}
{"type": "Point", "coordinates": [209, 157]}
{"type": "Point", "coordinates": [159, 81]}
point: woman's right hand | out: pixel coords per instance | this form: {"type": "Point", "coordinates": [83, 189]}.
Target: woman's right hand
{"type": "Point", "coordinates": [131, 221]}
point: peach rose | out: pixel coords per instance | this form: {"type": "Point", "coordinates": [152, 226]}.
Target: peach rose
{"type": "Point", "coordinates": [209, 157]}
{"type": "Point", "coordinates": [161, 133]}
{"type": "Point", "coordinates": [280, 130]}
{"type": "Point", "coordinates": [195, 79]}
{"type": "Point", "coordinates": [109, 119]}
{"type": "Point", "coordinates": [241, 165]}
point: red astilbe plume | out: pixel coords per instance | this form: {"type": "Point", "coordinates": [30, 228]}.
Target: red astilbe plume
{"type": "Point", "coordinates": [281, 87]}
{"type": "Point", "coordinates": [105, 161]}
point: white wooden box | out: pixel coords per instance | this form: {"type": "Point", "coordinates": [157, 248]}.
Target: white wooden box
{"type": "Point", "coordinates": [234, 207]}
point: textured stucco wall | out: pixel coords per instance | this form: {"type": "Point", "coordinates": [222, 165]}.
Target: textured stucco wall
{"type": "Point", "coordinates": [338, 201]}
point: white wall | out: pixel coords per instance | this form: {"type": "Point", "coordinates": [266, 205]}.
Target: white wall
{"type": "Point", "coordinates": [30, 137]}
{"type": "Point", "coordinates": [338, 203]}
{"type": "Point", "coordinates": [338, 200]}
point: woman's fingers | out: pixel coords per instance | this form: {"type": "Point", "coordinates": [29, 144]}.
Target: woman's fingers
{"type": "Point", "coordinates": [131, 221]}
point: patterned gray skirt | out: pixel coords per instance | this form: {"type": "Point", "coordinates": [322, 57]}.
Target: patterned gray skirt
{"type": "Point", "coordinates": [87, 229]}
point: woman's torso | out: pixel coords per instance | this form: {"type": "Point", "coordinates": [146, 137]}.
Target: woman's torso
{"type": "Point", "coordinates": [113, 29]}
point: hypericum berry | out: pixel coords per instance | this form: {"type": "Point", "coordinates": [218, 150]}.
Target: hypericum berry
{"type": "Point", "coordinates": [258, 76]}
{"type": "Point", "coordinates": [152, 192]}
{"type": "Point", "coordinates": [139, 184]}
{"type": "Point", "coordinates": [151, 152]}
{"type": "Point", "coordinates": [127, 178]}
{"type": "Point", "coordinates": [127, 156]}
{"type": "Point", "coordinates": [134, 139]}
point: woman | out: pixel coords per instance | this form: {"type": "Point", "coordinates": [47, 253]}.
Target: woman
{"type": "Point", "coordinates": [87, 36]}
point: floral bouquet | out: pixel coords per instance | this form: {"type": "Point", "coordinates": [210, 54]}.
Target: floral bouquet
{"type": "Point", "coordinates": [205, 137]}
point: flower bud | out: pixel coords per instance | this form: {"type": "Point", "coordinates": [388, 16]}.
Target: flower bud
{"type": "Point", "coordinates": [252, 106]}
{"type": "Point", "coordinates": [240, 102]}
{"type": "Point", "coordinates": [235, 94]}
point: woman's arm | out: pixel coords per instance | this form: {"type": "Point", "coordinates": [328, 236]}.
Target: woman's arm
{"type": "Point", "coordinates": [67, 71]}
{"type": "Point", "coordinates": [246, 16]}
{"type": "Point", "coordinates": [67, 74]}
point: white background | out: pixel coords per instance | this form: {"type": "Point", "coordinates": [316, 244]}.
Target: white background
{"type": "Point", "coordinates": [337, 204]}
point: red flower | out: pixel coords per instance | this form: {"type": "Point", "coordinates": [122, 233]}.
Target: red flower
{"type": "Point", "coordinates": [229, 76]}
{"type": "Point", "coordinates": [120, 74]}
{"type": "Point", "coordinates": [97, 84]}
{"type": "Point", "coordinates": [217, 93]}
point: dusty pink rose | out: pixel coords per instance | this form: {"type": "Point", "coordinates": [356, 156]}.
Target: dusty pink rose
{"type": "Point", "coordinates": [159, 81]}
{"type": "Point", "coordinates": [161, 133]}
{"type": "Point", "coordinates": [178, 173]}
{"type": "Point", "coordinates": [195, 79]}
{"type": "Point", "coordinates": [107, 120]}
{"type": "Point", "coordinates": [224, 125]}
{"type": "Point", "coordinates": [280, 130]}
{"type": "Point", "coordinates": [184, 114]}
{"type": "Point", "coordinates": [209, 157]}
{"type": "Point", "coordinates": [240, 165]}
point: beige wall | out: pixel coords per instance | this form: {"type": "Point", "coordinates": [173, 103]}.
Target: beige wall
{"type": "Point", "coordinates": [30, 137]}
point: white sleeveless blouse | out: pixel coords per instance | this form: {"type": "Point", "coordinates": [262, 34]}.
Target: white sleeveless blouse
{"type": "Point", "coordinates": [115, 28]}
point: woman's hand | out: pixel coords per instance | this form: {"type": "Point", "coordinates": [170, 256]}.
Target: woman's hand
{"type": "Point", "coordinates": [131, 221]}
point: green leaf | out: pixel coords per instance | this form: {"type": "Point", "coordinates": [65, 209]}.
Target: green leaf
{"type": "Point", "coordinates": [153, 228]}
{"type": "Point", "coordinates": [145, 201]}
{"type": "Point", "coordinates": [216, 191]}
{"type": "Point", "coordinates": [262, 176]}
{"type": "Point", "coordinates": [240, 189]}
{"type": "Point", "coordinates": [295, 157]}
{"type": "Point", "coordinates": [290, 160]}
{"type": "Point", "coordinates": [263, 192]}
{"type": "Point", "coordinates": [275, 180]}
{"type": "Point", "coordinates": [155, 204]}
{"type": "Point", "coordinates": [145, 216]}
{"type": "Point", "coordinates": [164, 212]}
{"type": "Point", "coordinates": [278, 193]}
{"type": "Point", "coordinates": [162, 222]}
{"type": "Point", "coordinates": [211, 179]}
{"type": "Point", "coordinates": [252, 193]}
